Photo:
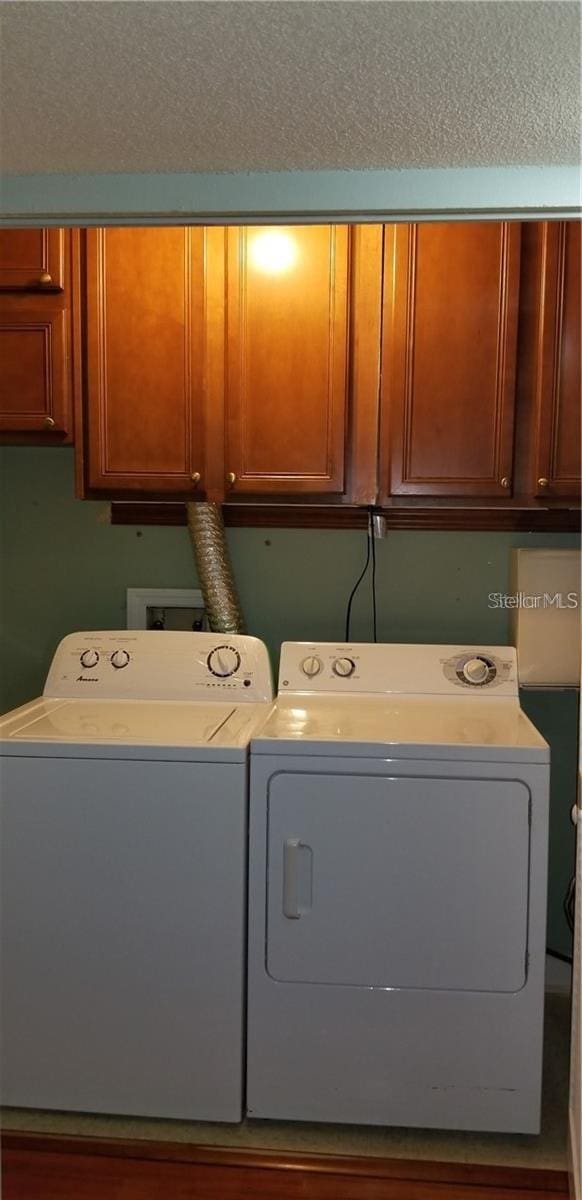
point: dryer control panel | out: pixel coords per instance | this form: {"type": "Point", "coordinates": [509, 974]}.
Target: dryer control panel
{"type": "Point", "coordinates": [144, 664]}
{"type": "Point", "coordinates": [386, 668]}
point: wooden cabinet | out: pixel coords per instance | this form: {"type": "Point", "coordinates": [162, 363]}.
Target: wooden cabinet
{"type": "Point", "coordinates": [330, 364]}
{"type": "Point", "coordinates": [550, 383]}
{"type": "Point", "coordinates": [228, 363]}
{"type": "Point", "coordinates": [287, 359]}
{"type": "Point", "coordinates": [32, 260]}
{"type": "Point", "coordinates": [33, 371]}
{"type": "Point", "coordinates": [145, 360]}
{"type": "Point", "coordinates": [37, 362]}
{"type": "Point", "coordinates": [451, 294]}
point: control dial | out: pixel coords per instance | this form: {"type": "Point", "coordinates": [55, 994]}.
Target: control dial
{"type": "Point", "coordinates": [476, 670]}
{"type": "Point", "coordinates": [119, 659]}
{"type": "Point", "coordinates": [311, 666]}
{"type": "Point", "coordinates": [344, 667]}
{"type": "Point", "coordinates": [89, 658]}
{"type": "Point", "coordinates": [223, 661]}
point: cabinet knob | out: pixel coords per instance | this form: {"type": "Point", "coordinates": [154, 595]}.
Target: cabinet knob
{"type": "Point", "coordinates": [49, 423]}
{"type": "Point", "coordinates": [195, 477]}
{"type": "Point", "coordinates": [231, 478]}
{"type": "Point", "coordinates": [45, 279]}
{"type": "Point", "coordinates": [506, 481]}
{"type": "Point", "coordinates": [543, 483]}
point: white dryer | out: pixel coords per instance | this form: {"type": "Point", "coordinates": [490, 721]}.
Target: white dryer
{"type": "Point", "coordinates": [124, 861]}
{"type": "Point", "coordinates": [398, 847]}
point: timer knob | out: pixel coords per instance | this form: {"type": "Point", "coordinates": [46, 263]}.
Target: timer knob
{"type": "Point", "coordinates": [311, 666]}
{"type": "Point", "coordinates": [476, 670]}
{"type": "Point", "coordinates": [223, 661]}
{"type": "Point", "coordinates": [89, 658]}
{"type": "Point", "coordinates": [344, 667]}
{"type": "Point", "coordinates": [119, 658]}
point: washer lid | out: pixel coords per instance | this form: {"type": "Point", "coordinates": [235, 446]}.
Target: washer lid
{"type": "Point", "coordinates": [105, 726]}
{"type": "Point", "coordinates": [403, 727]}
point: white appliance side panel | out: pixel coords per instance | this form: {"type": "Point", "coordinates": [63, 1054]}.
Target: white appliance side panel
{"type": "Point", "coordinates": [123, 917]}
{"type": "Point", "coordinates": [384, 881]}
{"type": "Point", "coordinates": [393, 1056]}
{"type": "Point", "coordinates": [545, 624]}
{"type": "Point", "coordinates": [575, 1105]}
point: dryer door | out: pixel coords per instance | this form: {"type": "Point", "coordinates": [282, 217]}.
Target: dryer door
{"type": "Point", "coordinates": [398, 882]}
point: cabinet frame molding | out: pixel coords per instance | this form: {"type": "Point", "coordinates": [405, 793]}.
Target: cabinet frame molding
{"type": "Point", "coordinates": [547, 358]}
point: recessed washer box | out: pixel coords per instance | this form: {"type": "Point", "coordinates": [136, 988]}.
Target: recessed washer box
{"type": "Point", "coordinates": [166, 608]}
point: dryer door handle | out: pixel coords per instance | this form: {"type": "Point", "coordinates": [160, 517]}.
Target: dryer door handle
{"type": "Point", "coordinates": [297, 878]}
{"type": "Point", "coordinates": [291, 878]}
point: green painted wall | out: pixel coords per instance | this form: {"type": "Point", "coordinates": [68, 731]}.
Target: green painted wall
{"type": "Point", "coordinates": [66, 568]}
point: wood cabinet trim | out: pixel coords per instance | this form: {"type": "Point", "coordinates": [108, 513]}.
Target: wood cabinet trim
{"type": "Point", "coordinates": [547, 355]}
{"type": "Point", "coordinates": [364, 364]}
{"type": "Point", "coordinates": [317, 516]}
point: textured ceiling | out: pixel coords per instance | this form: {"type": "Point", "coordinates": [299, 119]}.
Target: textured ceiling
{"type": "Point", "coordinates": [238, 86]}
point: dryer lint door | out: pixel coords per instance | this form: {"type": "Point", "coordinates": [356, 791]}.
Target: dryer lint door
{"type": "Point", "coordinates": [398, 882]}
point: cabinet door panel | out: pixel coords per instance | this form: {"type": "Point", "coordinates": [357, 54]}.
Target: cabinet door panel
{"type": "Point", "coordinates": [287, 328]}
{"type": "Point", "coordinates": [32, 260]}
{"type": "Point", "coordinates": [34, 376]}
{"type": "Point", "coordinates": [450, 322]}
{"type": "Point", "coordinates": [145, 345]}
{"type": "Point", "coordinates": [557, 417]}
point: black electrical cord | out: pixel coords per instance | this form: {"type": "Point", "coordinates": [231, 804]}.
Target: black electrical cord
{"type": "Point", "coordinates": [357, 584]}
{"type": "Point", "coordinates": [569, 905]}
{"type": "Point", "coordinates": [374, 613]}
{"type": "Point", "coordinates": [370, 557]}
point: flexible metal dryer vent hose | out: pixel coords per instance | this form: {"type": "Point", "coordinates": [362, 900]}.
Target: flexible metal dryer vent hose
{"type": "Point", "coordinates": [221, 601]}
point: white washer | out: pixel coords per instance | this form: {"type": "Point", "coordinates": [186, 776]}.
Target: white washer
{"type": "Point", "coordinates": [398, 847]}
{"type": "Point", "coordinates": [124, 863]}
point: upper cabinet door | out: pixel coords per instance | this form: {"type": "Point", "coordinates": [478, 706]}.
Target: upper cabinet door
{"type": "Point", "coordinates": [32, 260]}
{"type": "Point", "coordinates": [35, 383]}
{"type": "Point", "coordinates": [451, 296]}
{"type": "Point", "coordinates": [556, 361]}
{"type": "Point", "coordinates": [286, 379]}
{"type": "Point", "coordinates": [145, 352]}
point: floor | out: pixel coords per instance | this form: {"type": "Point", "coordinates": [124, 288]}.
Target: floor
{"type": "Point", "coordinates": [548, 1151]}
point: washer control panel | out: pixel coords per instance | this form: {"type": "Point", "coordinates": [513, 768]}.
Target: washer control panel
{"type": "Point", "coordinates": [154, 665]}
{"type": "Point", "coordinates": [376, 668]}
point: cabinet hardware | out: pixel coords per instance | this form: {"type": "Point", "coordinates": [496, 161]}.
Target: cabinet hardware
{"type": "Point", "coordinates": [543, 483]}
{"type": "Point", "coordinates": [195, 477]}
{"type": "Point", "coordinates": [231, 478]}
{"type": "Point", "coordinates": [506, 482]}
{"type": "Point", "coordinates": [49, 423]}
{"type": "Point", "coordinates": [45, 279]}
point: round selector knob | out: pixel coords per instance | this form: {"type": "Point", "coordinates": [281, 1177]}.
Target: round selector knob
{"type": "Point", "coordinates": [223, 661]}
{"type": "Point", "coordinates": [311, 666]}
{"type": "Point", "coordinates": [476, 670]}
{"type": "Point", "coordinates": [89, 658]}
{"type": "Point", "coordinates": [119, 659]}
{"type": "Point", "coordinates": [344, 667]}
